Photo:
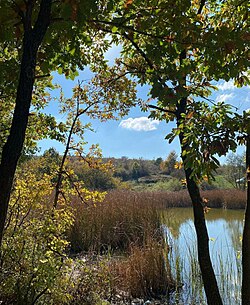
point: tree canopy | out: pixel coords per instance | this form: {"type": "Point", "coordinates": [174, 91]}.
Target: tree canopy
{"type": "Point", "coordinates": [179, 48]}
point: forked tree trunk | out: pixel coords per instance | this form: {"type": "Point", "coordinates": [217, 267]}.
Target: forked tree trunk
{"type": "Point", "coordinates": [12, 149]}
{"type": "Point", "coordinates": [246, 236]}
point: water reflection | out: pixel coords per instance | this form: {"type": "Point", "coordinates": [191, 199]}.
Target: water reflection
{"type": "Point", "coordinates": [225, 230]}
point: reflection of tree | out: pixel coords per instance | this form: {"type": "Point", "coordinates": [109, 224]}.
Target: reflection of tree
{"type": "Point", "coordinates": [175, 217]}
{"type": "Point", "coordinates": [226, 214]}
{"type": "Point", "coordinates": [235, 228]}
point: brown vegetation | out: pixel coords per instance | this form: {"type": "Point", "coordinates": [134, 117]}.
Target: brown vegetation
{"type": "Point", "coordinates": [145, 272]}
{"type": "Point", "coordinates": [113, 225]}
{"type": "Point", "coordinates": [130, 229]}
{"type": "Point", "coordinates": [128, 217]}
{"type": "Point", "coordinates": [230, 199]}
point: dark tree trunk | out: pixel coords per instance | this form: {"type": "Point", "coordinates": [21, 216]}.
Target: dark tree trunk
{"type": "Point", "coordinates": [207, 271]}
{"type": "Point", "coordinates": [12, 149]}
{"type": "Point", "coordinates": [246, 236]}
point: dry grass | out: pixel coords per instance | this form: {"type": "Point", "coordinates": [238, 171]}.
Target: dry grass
{"type": "Point", "coordinates": [145, 273]}
{"type": "Point", "coordinates": [156, 199]}
{"type": "Point", "coordinates": [113, 225]}
{"type": "Point", "coordinates": [229, 199]}
{"type": "Point", "coordinates": [128, 225]}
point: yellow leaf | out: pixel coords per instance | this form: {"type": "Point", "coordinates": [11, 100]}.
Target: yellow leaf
{"type": "Point", "coordinates": [178, 165]}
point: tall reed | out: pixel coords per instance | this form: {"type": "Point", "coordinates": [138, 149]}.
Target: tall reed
{"type": "Point", "coordinates": [113, 225]}
{"type": "Point", "coordinates": [127, 226]}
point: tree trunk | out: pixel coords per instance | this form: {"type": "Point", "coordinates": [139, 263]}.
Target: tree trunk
{"type": "Point", "coordinates": [246, 236]}
{"type": "Point", "coordinates": [12, 149]}
{"type": "Point", "coordinates": [207, 271]}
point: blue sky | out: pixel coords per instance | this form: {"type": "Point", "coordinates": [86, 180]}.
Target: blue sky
{"type": "Point", "coordinates": [135, 135]}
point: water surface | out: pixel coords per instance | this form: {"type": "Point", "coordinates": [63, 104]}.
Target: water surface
{"type": "Point", "coordinates": [225, 233]}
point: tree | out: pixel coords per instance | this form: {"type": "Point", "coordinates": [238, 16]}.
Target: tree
{"type": "Point", "coordinates": [246, 232]}
{"type": "Point", "coordinates": [158, 161]}
{"type": "Point", "coordinates": [180, 62]}
{"type": "Point", "coordinates": [243, 127]}
{"type": "Point", "coordinates": [38, 37]}
{"type": "Point", "coordinates": [135, 171]}
{"type": "Point", "coordinates": [52, 160]}
{"type": "Point", "coordinates": [168, 165]}
{"type": "Point", "coordinates": [234, 170]}
{"type": "Point", "coordinates": [101, 99]}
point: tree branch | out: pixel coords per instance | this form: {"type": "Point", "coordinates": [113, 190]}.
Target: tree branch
{"type": "Point", "coordinates": [139, 50]}
{"type": "Point", "coordinates": [162, 109]}
{"type": "Point", "coordinates": [201, 6]}
{"type": "Point", "coordinates": [18, 10]}
{"type": "Point", "coordinates": [43, 21]}
{"type": "Point", "coordinates": [42, 76]}
{"type": "Point", "coordinates": [130, 28]}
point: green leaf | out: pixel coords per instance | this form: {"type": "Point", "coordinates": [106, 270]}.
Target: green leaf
{"type": "Point", "coordinates": [114, 29]}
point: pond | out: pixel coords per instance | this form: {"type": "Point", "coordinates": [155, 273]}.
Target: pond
{"type": "Point", "coordinates": [225, 232]}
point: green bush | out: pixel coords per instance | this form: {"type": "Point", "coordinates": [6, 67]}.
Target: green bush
{"type": "Point", "coordinates": [171, 185]}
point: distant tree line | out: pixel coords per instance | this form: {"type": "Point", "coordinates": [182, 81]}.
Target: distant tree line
{"type": "Point", "coordinates": [124, 169]}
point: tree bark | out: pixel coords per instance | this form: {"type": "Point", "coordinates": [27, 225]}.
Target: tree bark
{"type": "Point", "coordinates": [246, 235]}
{"type": "Point", "coordinates": [12, 149]}
{"type": "Point", "coordinates": [207, 271]}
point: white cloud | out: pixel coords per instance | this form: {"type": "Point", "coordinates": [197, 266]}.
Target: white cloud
{"type": "Point", "coordinates": [224, 97]}
{"type": "Point", "coordinates": [139, 124]}
{"type": "Point", "coordinates": [226, 85]}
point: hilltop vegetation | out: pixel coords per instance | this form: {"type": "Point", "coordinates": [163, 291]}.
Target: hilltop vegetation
{"type": "Point", "coordinates": [149, 175]}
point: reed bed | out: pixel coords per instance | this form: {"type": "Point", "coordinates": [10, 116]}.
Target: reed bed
{"type": "Point", "coordinates": [230, 199]}
{"type": "Point", "coordinates": [129, 231]}
{"type": "Point", "coordinates": [113, 225]}
{"type": "Point", "coordinates": [127, 227]}
{"type": "Point", "coordinates": [190, 288]}
{"type": "Point", "coordinates": [145, 273]}
{"type": "Point", "coordinates": [127, 217]}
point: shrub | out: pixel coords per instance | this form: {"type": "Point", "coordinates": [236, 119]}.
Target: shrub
{"type": "Point", "coordinates": [93, 282]}
{"type": "Point", "coordinates": [33, 265]}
